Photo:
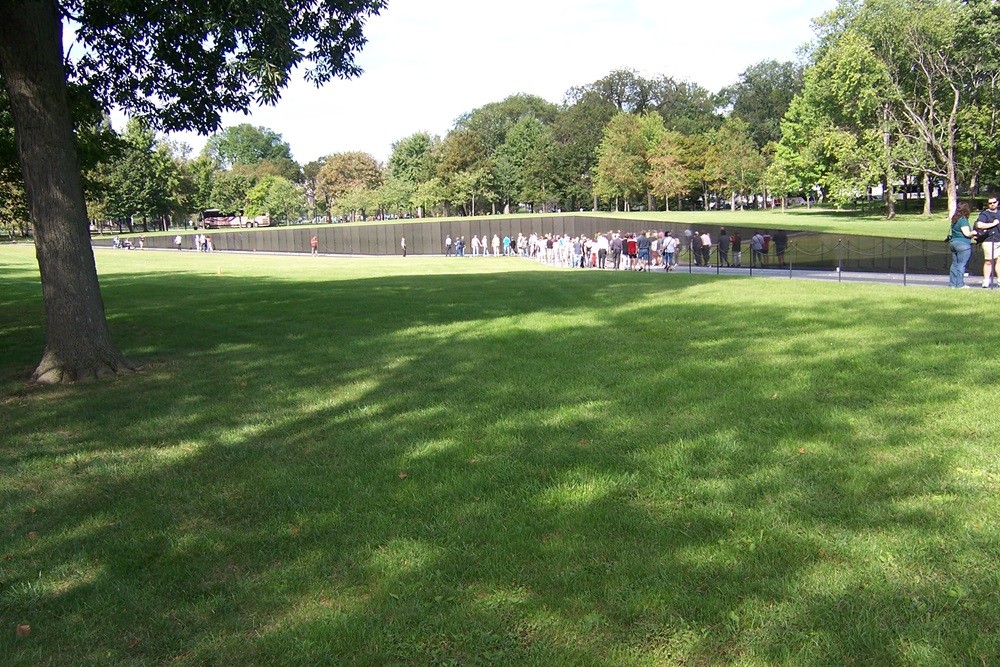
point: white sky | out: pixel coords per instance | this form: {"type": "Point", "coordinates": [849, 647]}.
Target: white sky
{"type": "Point", "coordinates": [429, 61]}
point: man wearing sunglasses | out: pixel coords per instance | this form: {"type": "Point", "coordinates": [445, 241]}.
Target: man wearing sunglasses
{"type": "Point", "coordinates": [989, 221]}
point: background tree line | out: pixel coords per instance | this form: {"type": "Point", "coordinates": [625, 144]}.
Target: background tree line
{"type": "Point", "coordinates": [891, 93]}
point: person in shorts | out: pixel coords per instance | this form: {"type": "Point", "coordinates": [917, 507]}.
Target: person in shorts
{"type": "Point", "coordinates": [989, 221]}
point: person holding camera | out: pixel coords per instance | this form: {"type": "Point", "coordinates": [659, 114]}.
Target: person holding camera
{"type": "Point", "coordinates": [988, 233]}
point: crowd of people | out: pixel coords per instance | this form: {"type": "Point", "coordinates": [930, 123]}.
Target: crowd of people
{"type": "Point", "coordinates": [640, 251]}
{"type": "Point", "coordinates": [201, 242]}
{"type": "Point", "coordinates": [126, 244]}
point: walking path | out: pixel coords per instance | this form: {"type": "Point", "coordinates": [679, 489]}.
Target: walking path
{"type": "Point", "coordinates": [909, 279]}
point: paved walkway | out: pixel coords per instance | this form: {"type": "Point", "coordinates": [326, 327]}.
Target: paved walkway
{"type": "Point", "coordinates": [908, 280]}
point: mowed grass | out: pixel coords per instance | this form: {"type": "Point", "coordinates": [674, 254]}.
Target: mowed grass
{"type": "Point", "coordinates": [462, 462]}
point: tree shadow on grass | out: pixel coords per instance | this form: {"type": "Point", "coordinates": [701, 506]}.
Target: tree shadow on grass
{"type": "Point", "coordinates": [536, 468]}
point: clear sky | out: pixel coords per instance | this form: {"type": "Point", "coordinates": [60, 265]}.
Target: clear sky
{"type": "Point", "coordinates": [429, 61]}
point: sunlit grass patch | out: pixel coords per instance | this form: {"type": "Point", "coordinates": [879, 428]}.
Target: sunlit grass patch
{"type": "Point", "coordinates": [448, 463]}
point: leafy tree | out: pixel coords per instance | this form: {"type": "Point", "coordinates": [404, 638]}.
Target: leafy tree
{"type": "Point", "coordinates": [96, 142]}
{"type": "Point", "coordinates": [761, 97]}
{"type": "Point", "coordinates": [669, 174]}
{"type": "Point", "coordinates": [429, 195]}
{"type": "Point", "coordinates": [927, 53]}
{"type": "Point", "coordinates": [230, 189]}
{"type": "Point", "coordinates": [355, 203]}
{"type": "Point", "coordinates": [179, 64]}
{"type": "Point", "coordinates": [491, 123]}
{"type": "Point", "coordinates": [394, 195]}
{"type": "Point", "coordinates": [310, 174]}
{"type": "Point", "coordinates": [197, 175]}
{"type": "Point", "coordinates": [276, 197]}
{"type": "Point", "coordinates": [734, 163]}
{"type": "Point", "coordinates": [413, 158]}
{"type": "Point", "coordinates": [461, 150]}
{"type": "Point", "coordinates": [462, 189]}
{"type": "Point", "coordinates": [622, 157]}
{"type": "Point", "coordinates": [348, 172]}
{"type": "Point", "coordinates": [624, 89]}
{"type": "Point", "coordinates": [684, 106]}
{"type": "Point", "coordinates": [776, 180]}
{"type": "Point", "coordinates": [245, 144]}
{"type": "Point", "coordinates": [523, 162]}
{"type": "Point", "coordinates": [577, 132]}
{"type": "Point", "coordinates": [138, 178]}
{"type": "Point", "coordinates": [978, 145]}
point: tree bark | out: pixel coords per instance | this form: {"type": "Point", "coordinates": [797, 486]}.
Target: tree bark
{"type": "Point", "coordinates": [78, 343]}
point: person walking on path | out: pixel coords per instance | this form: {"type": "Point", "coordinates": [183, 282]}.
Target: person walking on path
{"type": "Point", "coordinates": [961, 246]}
{"type": "Point", "coordinates": [402, 244]}
{"type": "Point", "coordinates": [989, 222]}
{"type": "Point", "coordinates": [314, 244]}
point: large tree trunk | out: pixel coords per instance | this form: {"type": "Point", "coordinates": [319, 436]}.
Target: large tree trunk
{"type": "Point", "coordinates": [78, 344]}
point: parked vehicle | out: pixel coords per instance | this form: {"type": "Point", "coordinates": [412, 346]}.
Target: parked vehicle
{"type": "Point", "coordinates": [215, 219]}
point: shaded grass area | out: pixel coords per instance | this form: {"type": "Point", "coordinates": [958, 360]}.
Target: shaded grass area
{"type": "Point", "coordinates": [441, 462]}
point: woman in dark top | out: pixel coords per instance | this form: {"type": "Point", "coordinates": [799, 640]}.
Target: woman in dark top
{"type": "Point", "coordinates": [961, 245]}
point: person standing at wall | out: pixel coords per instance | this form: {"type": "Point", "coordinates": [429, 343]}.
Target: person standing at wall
{"type": "Point", "coordinates": [616, 250]}
{"type": "Point", "coordinates": [603, 246]}
{"type": "Point", "coordinates": [724, 247]}
{"type": "Point", "coordinates": [780, 239]}
{"type": "Point", "coordinates": [961, 246]}
{"type": "Point", "coordinates": [447, 246]}
{"type": "Point", "coordinates": [989, 222]}
{"type": "Point", "coordinates": [402, 245]}
{"type": "Point", "coordinates": [314, 245]}
{"type": "Point", "coordinates": [643, 246]}
{"type": "Point", "coordinates": [670, 244]}
{"type": "Point", "coordinates": [757, 250]}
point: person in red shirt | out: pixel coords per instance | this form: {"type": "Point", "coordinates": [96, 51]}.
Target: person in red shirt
{"type": "Point", "coordinates": [314, 244]}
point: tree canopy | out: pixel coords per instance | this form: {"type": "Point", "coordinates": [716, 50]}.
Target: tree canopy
{"type": "Point", "coordinates": [177, 65]}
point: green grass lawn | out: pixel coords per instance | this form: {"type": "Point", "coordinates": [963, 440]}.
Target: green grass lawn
{"type": "Point", "coordinates": [421, 461]}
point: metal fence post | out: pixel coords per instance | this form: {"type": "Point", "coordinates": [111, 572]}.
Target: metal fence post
{"type": "Point", "coordinates": [906, 247]}
{"type": "Point", "coordinates": [840, 259]}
